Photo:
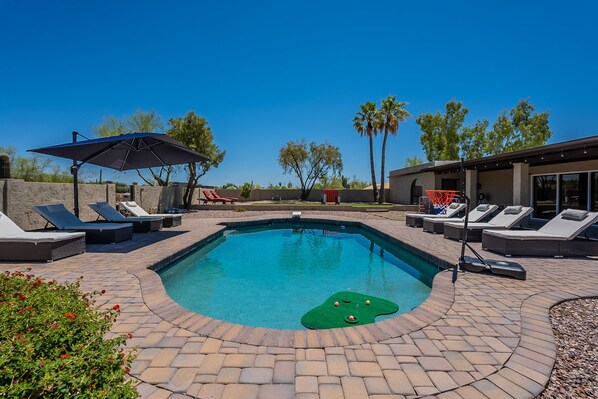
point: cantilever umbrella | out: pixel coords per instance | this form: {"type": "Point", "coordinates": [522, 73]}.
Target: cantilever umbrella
{"type": "Point", "coordinates": [124, 152]}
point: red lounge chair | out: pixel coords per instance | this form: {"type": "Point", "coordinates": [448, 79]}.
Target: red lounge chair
{"type": "Point", "coordinates": [210, 197]}
{"type": "Point", "coordinates": [226, 199]}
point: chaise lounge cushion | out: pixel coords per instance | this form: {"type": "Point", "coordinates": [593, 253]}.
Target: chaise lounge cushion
{"type": "Point", "coordinates": [574, 214]}
{"type": "Point", "coordinates": [512, 210]}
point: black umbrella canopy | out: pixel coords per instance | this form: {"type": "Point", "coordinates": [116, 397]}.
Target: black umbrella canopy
{"type": "Point", "coordinates": [124, 152]}
{"type": "Point", "coordinates": [127, 151]}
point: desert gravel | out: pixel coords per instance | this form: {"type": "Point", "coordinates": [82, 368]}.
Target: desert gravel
{"type": "Point", "coordinates": [575, 326]}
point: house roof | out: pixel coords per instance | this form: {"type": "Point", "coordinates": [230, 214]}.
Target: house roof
{"type": "Point", "coordinates": [567, 151]}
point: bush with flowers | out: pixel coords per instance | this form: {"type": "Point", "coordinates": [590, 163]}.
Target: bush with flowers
{"type": "Point", "coordinates": [52, 342]}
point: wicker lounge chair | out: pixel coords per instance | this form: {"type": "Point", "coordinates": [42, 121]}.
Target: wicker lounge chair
{"type": "Point", "coordinates": [95, 233]}
{"type": "Point", "coordinates": [508, 218]}
{"type": "Point", "coordinates": [417, 219]}
{"type": "Point", "coordinates": [19, 245]}
{"type": "Point", "coordinates": [558, 237]}
{"type": "Point", "coordinates": [140, 225]}
{"type": "Point", "coordinates": [168, 219]}
{"type": "Point", "coordinates": [478, 214]}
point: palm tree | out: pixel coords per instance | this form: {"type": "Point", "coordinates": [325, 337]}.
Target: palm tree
{"type": "Point", "coordinates": [390, 114]}
{"type": "Point", "coordinates": [366, 124]}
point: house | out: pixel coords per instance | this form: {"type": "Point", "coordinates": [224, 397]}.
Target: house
{"type": "Point", "coordinates": [550, 178]}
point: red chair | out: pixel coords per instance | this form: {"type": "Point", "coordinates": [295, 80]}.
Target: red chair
{"type": "Point", "coordinates": [332, 196]}
{"type": "Point", "coordinates": [228, 199]}
{"type": "Point", "coordinates": [210, 197]}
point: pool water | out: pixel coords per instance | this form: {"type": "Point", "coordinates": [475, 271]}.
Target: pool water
{"type": "Point", "coordinates": [270, 277]}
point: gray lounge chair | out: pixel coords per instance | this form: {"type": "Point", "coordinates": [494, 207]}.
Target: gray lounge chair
{"type": "Point", "coordinates": [140, 225]}
{"type": "Point", "coordinates": [478, 214]}
{"type": "Point", "coordinates": [417, 219]}
{"type": "Point", "coordinates": [19, 245]}
{"type": "Point", "coordinates": [508, 218]}
{"type": "Point", "coordinates": [95, 233]}
{"type": "Point", "coordinates": [558, 237]}
{"type": "Point", "coordinates": [169, 220]}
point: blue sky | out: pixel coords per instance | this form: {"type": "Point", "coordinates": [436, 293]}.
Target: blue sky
{"type": "Point", "coordinates": [264, 73]}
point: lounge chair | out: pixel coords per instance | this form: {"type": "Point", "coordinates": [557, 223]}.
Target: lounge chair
{"type": "Point", "coordinates": [228, 199]}
{"type": "Point", "coordinates": [478, 214]}
{"type": "Point", "coordinates": [558, 237]}
{"type": "Point", "coordinates": [208, 196]}
{"type": "Point", "coordinates": [19, 245]}
{"type": "Point", "coordinates": [417, 219]}
{"type": "Point", "coordinates": [508, 218]}
{"type": "Point", "coordinates": [95, 233]}
{"type": "Point", "coordinates": [211, 195]}
{"type": "Point", "coordinates": [140, 225]}
{"type": "Point", "coordinates": [168, 219]}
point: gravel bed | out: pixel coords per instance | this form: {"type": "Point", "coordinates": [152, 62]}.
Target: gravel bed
{"type": "Point", "coordinates": [205, 214]}
{"type": "Point", "coordinates": [575, 326]}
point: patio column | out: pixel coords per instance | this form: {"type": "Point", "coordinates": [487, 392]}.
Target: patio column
{"type": "Point", "coordinates": [471, 185]}
{"type": "Point", "coordinates": [521, 184]}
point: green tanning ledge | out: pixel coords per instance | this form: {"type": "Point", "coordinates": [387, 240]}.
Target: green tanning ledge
{"type": "Point", "coordinates": [346, 309]}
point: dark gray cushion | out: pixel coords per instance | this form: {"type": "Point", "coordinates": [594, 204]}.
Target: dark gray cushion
{"type": "Point", "coordinates": [574, 214]}
{"type": "Point", "coordinates": [512, 210]}
{"type": "Point", "coordinates": [483, 207]}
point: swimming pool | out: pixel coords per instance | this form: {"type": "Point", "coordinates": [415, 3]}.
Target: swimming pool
{"type": "Point", "coordinates": [270, 276]}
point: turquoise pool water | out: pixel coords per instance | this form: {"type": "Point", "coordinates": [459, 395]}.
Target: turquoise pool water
{"type": "Point", "coordinates": [270, 277]}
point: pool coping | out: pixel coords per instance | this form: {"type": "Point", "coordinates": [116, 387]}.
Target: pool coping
{"type": "Point", "coordinates": [439, 301]}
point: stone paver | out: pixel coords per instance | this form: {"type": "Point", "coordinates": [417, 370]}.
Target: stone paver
{"type": "Point", "coordinates": [483, 337]}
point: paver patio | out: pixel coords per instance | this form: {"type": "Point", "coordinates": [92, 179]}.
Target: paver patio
{"type": "Point", "coordinates": [486, 336]}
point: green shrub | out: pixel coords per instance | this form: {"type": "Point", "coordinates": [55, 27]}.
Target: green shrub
{"type": "Point", "coordinates": [239, 209]}
{"type": "Point", "coordinates": [52, 345]}
{"type": "Point", "coordinates": [246, 190]}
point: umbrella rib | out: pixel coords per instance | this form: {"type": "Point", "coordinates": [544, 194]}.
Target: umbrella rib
{"type": "Point", "coordinates": [97, 154]}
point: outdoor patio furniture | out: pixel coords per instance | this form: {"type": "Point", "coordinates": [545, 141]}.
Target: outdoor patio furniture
{"type": "Point", "coordinates": [559, 237]}
{"type": "Point", "coordinates": [168, 219]}
{"type": "Point", "coordinates": [508, 218]}
{"type": "Point", "coordinates": [140, 224]}
{"type": "Point", "coordinates": [95, 233]}
{"type": "Point", "coordinates": [417, 219]}
{"type": "Point", "coordinates": [19, 245]}
{"type": "Point", "coordinates": [478, 214]}
{"type": "Point", "coordinates": [208, 196]}
{"type": "Point", "coordinates": [229, 199]}
{"type": "Point", "coordinates": [212, 195]}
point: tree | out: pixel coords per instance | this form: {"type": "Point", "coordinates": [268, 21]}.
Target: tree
{"type": "Point", "coordinates": [440, 132]}
{"type": "Point", "coordinates": [309, 164]}
{"type": "Point", "coordinates": [444, 136]}
{"type": "Point", "coordinates": [138, 122]}
{"type": "Point", "coordinates": [473, 140]}
{"type": "Point", "coordinates": [194, 132]}
{"type": "Point", "coordinates": [391, 113]}
{"type": "Point", "coordinates": [37, 168]}
{"type": "Point", "coordinates": [522, 129]}
{"type": "Point", "coordinates": [366, 123]}
{"type": "Point", "coordinates": [413, 161]}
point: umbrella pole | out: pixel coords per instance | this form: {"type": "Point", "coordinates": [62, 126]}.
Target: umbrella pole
{"type": "Point", "coordinates": [75, 173]}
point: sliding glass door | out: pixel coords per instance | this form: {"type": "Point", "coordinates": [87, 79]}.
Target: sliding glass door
{"type": "Point", "coordinates": [545, 190]}
{"type": "Point", "coordinates": [574, 191]}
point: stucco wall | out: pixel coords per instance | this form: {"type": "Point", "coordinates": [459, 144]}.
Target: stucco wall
{"type": "Point", "coordinates": [295, 194]}
{"type": "Point", "coordinates": [565, 167]}
{"type": "Point", "coordinates": [497, 185]}
{"type": "Point", "coordinates": [155, 199]}
{"type": "Point", "coordinates": [20, 197]}
{"type": "Point", "coordinates": [400, 186]}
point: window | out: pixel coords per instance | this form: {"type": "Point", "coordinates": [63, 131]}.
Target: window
{"type": "Point", "coordinates": [573, 191]}
{"type": "Point", "coordinates": [545, 189]}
